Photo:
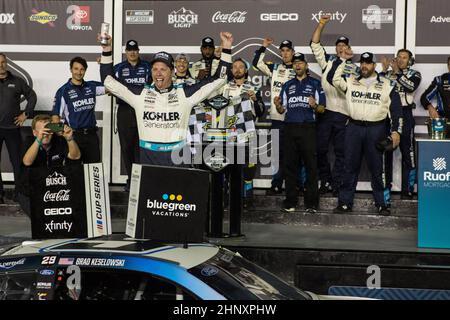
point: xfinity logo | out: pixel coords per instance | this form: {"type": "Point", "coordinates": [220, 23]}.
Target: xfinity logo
{"type": "Point", "coordinates": [336, 16]}
{"type": "Point", "coordinates": [235, 17]}
{"type": "Point", "coordinates": [7, 18]}
{"type": "Point", "coordinates": [56, 226]}
{"type": "Point", "coordinates": [279, 17]}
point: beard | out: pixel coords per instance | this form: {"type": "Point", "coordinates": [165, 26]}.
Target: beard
{"type": "Point", "coordinates": [239, 76]}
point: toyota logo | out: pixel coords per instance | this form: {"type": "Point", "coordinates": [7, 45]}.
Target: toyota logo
{"type": "Point", "coordinates": [82, 14]}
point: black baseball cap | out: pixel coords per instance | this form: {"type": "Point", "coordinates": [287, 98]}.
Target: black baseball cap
{"type": "Point", "coordinates": [298, 57]}
{"type": "Point", "coordinates": [287, 44]}
{"type": "Point", "coordinates": [342, 39]}
{"type": "Point", "coordinates": [163, 57]}
{"type": "Point", "coordinates": [208, 42]}
{"type": "Point", "coordinates": [367, 57]}
{"type": "Point", "coordinates": [132, 45]}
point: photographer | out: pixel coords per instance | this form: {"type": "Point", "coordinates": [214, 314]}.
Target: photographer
{"type": "Point", "coordinates": [53, 146]}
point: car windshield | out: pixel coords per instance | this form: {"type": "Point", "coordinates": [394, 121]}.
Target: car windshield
{"type": "Point", "coordinates": [237, 278]}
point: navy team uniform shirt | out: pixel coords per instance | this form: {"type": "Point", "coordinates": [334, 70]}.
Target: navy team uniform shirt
{"type": "Point", "coordinates": [295, 96]}
{"type": "Point", "coordinates": [75, 104]}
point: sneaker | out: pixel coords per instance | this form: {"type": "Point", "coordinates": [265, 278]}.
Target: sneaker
{"type": "Point", "coordinates": [287, 207]}
{"type": "Point", "coordinates": [311, 210]}
{"type": "Point", "coordinates": [384, 211]}
{"type": "Point", "coordinates": [325, 188]}
{"type": "Point", "coordinates": [273, 191]}
{"type": "Point", "coordinates": [343, 208]}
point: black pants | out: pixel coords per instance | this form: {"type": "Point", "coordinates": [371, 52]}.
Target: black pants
{"type": "Point", "coordinates": [300, 144]}
{"type": "Point", "coordinates": [128, 137]}
{"type": "Point", "coordinates": [13, 141]}
{"type": "Point", "coordinates": [89, 145]}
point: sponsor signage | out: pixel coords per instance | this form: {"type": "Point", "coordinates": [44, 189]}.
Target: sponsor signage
{"type": "Point", "coordinates": [7, 18]}
{"type": "Point", "coordinates": [173, 210]}
{"type": "Point", "coordinates": [275, 17]}
{"type": "Point", "coordinates": [182, 18]}
{"type": "Point", "coordinates": [79, 18]}
{"type": "Point", "coordinates": [234, 17]}
{"type": "Point", "coordinates": [43, 17]}
{"type": "Point", "coordinates": [60, 208]}
{"type": "Point", "coordinates": [139, 17]}
{"type": "Point", "coordinates": [378, 15]}
{"type": "Point", "coordinates": [433, 192]}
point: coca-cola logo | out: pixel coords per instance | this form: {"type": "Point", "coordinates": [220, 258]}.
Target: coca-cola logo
{"type": "Point", "coordinates": [61, 195]}
{"type": "Point", "coordinates": [234, 17]}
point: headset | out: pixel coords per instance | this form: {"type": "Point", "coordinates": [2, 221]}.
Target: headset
{"type": "Point", "coordinates": [411, 60]}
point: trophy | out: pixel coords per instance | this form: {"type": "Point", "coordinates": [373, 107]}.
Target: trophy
{"type": "Point", "coordinates": [103, 33]}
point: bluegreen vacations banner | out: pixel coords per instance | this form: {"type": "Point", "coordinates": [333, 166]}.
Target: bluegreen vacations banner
{"type": "Point", "coordinates": [434, 193]}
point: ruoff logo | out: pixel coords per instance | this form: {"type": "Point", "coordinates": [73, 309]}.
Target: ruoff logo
{"type": "Point", "coordinates": [279, 17]}
{"type": "Point", "coordinates": [7, 18]}
{"type": "Point", "coordinates": [439, 164]}
{"type": "Point", "coordinates": [56, 179]}
{"type": "Point", "coordinates": [334, 16]}
{"type": "Point", "coordinates": [182, 18]}
{"type": "Point", "coordinates": [235, 17]}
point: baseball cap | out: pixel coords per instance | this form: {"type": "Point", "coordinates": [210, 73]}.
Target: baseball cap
{"type": "Point", "coordinates": [342, 39]}
{"type": "Point", "coordinates": [132, 45]}
{"type": "Point", "coordinates": [163, 57]}
{"type": "Point", "coordinates": [367, 57]}
{"type": "Point", "coordinates": [286, 43]}
{"type": "Point", "coordinates": [182, 56]}
{"type": "Point", "coordinates": [208, 42]}
{"type": "Point", "coordinates": [298, 57]}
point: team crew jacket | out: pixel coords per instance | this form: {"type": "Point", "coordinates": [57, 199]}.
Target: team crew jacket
{"type": "Point", "coordinates": [373, 103]}
{"type": "Point", "coordinates": [295, 99]}
{"type": "Point", "coordinates": [11, 89]}
{"type": "Point", "coordinates": [231, 90]}
{"type": "Point", "coordinates": [335, 98]}
{"type": "Point", "coordinates": [439, 88]}
{"type": "Point", "coordinates": [279, 74]}
{"type": "Point", "coordinates": [163, 115]}
{"type": "Point", "coordinates": [407, 81]}
{"type": "Point", "coordinates": [75, 104]}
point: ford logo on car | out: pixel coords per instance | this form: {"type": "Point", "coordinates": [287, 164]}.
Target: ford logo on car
{"type": "Point", "coordinates": [47, 272]}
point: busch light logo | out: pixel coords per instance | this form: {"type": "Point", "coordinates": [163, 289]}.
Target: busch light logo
{"type": "Point", "coordinates": [437, 179]}
{"type": "Point", "coordinates": [182, 18]}
{"type": "Point", "coordinates": [55, 179]}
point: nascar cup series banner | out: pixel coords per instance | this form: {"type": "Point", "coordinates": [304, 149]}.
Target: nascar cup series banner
{"type": "Point", "coordinates": [434, 192]}
{"type": "Point", "coordinates": [69, 202]}
{"type": "Point", "coordinates": [167, 204]}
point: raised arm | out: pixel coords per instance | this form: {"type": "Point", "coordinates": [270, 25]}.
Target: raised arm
{"type": "Point", "coordinates": [318, 50]}
{"type": "Point", "coordinates": [258, 59]}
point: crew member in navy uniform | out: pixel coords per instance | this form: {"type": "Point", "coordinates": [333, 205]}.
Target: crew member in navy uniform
{"type": "Point", "coordinates": [207, 65]}
{"type": "Point", "coordinates": [279, 73]}
{"type": "Point", "coordinates": [371, 99]}
{"type": "Point", "coordinates": [133, 73]}
{"type": "Point", "coordinates": [300, 99]}
{"type": "Point", "coordinates": [75, 104]}
{"type": "Point", "coordinates": [11, 118]}
{"type": "Point", "coordinates": [407, 80]}
{"type": "Point", "coordinates": [439, 89]}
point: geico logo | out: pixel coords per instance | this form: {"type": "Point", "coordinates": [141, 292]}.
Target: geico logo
{"type": "Point", "coordinates": [83, 102]}
{"type": "Point", "coordinates": [7, 18]}
{"type": "Point", "coordinates": [57, 211]}
{"type": "Point", "coordinates": [298, 99]}
{"type": "Point", "coordinates": [135, 80]}
{"type": "Point", "coordinates": [366, 95]}
{"type": "Point", "coordinates": [279, 16]}
{"type": "Point", "coordinates": [161, 116]}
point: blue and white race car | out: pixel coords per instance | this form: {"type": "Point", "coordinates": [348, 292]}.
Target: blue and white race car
{"type": "Point", "coordinates": [120, 268]}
